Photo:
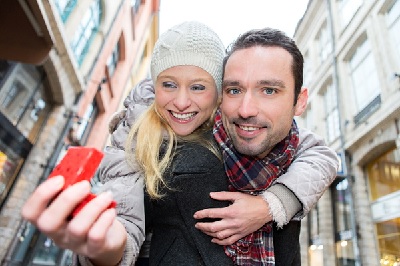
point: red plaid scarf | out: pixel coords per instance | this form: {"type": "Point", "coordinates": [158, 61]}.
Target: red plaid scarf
{"type": "Point", "coordinates": [253, 176]}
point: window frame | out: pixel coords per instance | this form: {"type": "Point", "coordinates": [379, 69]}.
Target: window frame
{"type": "Point", "coordinates": [86, 31]}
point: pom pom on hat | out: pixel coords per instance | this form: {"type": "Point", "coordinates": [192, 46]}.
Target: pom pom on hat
{"type": "Point", "coordinates": [189, 43]}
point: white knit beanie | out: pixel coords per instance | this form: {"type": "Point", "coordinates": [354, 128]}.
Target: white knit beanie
{"type": "Point", "coordinates": [190, 43]}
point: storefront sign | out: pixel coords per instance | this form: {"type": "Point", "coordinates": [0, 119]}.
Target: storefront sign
{"type": "Point", "coordinates": [345, 235]}
{"type": "Point", "coordinates": [386, 208]}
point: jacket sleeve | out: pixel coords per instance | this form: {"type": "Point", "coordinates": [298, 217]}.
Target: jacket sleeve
{"type": "Point", "coordinates": [123, 179]}
{"type": "Point", "coordinates": [126, 186]}
{"type": "Point", "coordinates": [312, 171]}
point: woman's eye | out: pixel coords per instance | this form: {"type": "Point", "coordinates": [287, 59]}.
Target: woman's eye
{"type": "Point", "coordinates": [198, 87]}
{"type": "Point", "coordinates": [168, 84]}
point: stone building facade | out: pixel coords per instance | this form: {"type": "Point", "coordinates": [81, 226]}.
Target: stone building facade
{"type": "Point", "coordinates": [352, 70]}
{"type": "Point", "coordinates": [65, 67]}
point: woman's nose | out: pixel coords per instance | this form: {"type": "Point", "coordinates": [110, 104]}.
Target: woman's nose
{"type": "Point", "coordinates": [182, 99]}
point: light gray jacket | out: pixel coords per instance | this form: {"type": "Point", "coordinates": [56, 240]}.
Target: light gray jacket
{"type": "Point", "coordinates": [291, 196]}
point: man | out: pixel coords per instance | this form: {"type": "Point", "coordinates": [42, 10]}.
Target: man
{"type": "Point", "coordinates": [248, 130]}
{"type": "Point", "coordinates": [262, 92]}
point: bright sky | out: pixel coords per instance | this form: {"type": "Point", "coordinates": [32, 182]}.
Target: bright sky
{"type": "Point", "coordinates": [230, 18]}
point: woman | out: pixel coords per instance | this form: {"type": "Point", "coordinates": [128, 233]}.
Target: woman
{"type": "Point", "coordinates": [106, 236]}
{"type": "Point", "coordinates": [170, 149]}
{"type": "Point", "coordinates": [186, 70]}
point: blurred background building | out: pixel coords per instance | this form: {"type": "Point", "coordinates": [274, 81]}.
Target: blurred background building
{"type": "Point", "coordinates": [352, 69]}
{"type": "Point", "coordinates": [65, 67]}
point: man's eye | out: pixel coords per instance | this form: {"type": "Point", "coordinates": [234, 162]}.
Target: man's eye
{"type": "Point", "coordinates": [168, 84]}
{"type": "Point", "coordinates": [198, 87]}
{"type": "Point", "coordinates": [269, 91]}
{"type": "Point", "coordinates": [232, 91]}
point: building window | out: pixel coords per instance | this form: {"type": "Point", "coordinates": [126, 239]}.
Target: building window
{"type": "Point", "coordinates": [393, 22]}
{"type": "Point", "coordinates": [331, 114]}
{"type": "Point", "coordinates": [87, 122]}
{"type": "Point", "coordinates": [80, 130]}
{"type": "Point", "coordinates": [364, 76]}
{"type": "Point", "coordinates": [389, 241]}
{"type": "Point", "coordinates": [136, 4]}
{"type": "Point", "coordinates": [12, 101]}
{"type": "Point", "coordinates": [344, 232]}
{"type": "Point", "coordinates": [307, 73]}
{"type": "Point", "coordinates": [12, 95]}
{"type": "Point", "coordinates": [65, 8]}
{"type": "Point", "coordinates": [308, 118]}
{"type": "Point", "coordinates": [384, 187]}
{"type": "Point", "coordinates": [14, 148]}
{"type": "Point", "coordinates": [324, 43]}
{"type": "Point", "coordinates": [384, 175]}
{"type": "Point", "coordinates": [23, 100]}
{"type": "Point", "coordinates": [5, 69]}
{"type": "Point", "coordinates": [342, 206]}
{"type": "Point", "coordinates": [10, 163]}
{"type": "Point", "coordinates": [86, 30]}
{"type": "Point", "coordinates": [316, 248]}
{"type": "Point", "coordinates": [347, 10]}
{"type": "Point", "coordinates": [35, 114]}
{"type": "Point", "coordinates": [112, 60]}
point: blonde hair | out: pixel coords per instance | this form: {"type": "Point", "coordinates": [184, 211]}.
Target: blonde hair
{"type": "Point", "coordinates": [149, 133]}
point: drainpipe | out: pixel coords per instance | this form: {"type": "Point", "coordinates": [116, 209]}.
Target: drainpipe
{"type": "Point", "coordinates": [336, 83]}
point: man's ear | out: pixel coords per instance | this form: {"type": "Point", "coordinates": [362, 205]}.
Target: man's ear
{"type": "Point", "coordinates": [301, 104]}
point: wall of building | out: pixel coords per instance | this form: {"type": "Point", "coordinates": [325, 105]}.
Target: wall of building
{"type": "Point", "coordinates": [351, 57]}
{"type": "Point", "coordinates": [72, 87]}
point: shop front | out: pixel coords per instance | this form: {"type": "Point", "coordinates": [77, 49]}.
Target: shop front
{"type": "Point", "coordinates": [31, 247]}
{"type": "Point", "coordinates": [14, 148]}
{"type": "Point", "coordinates": [384, 188]}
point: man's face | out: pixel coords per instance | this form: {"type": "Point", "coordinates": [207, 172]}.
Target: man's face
{"type": "Point", "coordinates": [258, 97]}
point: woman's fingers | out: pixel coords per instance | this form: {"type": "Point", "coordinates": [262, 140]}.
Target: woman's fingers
{"type": "Point", "coordinates": [57, 213]}
{"type": "Point", "coordinates": [93, 229]}
{"type": "Point", "coordinates": [41, 197]}
{"type": "Point", "coordinates": [89, 215]}
{"type": "Point", "coordinates": [97, 236]}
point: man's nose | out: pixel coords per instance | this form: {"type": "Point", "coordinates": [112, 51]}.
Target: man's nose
{"type": "Point", "coordinates": [182, 100]}
{"type": "Point", "coordinates": [248, 107]}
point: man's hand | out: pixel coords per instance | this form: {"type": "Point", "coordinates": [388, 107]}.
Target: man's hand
{"type": "Point", "coordinates": [245, 215]}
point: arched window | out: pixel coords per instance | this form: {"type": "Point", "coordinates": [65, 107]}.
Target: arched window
{"type": "Point", "coordinates": [86, 30]}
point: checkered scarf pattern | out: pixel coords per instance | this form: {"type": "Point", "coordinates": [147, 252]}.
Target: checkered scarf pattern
{"type": "Point", "coordinates": [253, 176]}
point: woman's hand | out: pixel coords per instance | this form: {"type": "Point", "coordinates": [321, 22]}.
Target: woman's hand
{"type": "Point", "coordinates": [94, 232]}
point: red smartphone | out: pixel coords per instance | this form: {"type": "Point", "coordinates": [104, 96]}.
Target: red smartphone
{"type": "Point", "coordinates": [78, 164]}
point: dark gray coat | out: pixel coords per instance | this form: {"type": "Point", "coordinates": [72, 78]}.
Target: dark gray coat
{"type": "Point", "coordinates": [194, 173]}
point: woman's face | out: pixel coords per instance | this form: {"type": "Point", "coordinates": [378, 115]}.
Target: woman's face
{"type": "Point", "coordinates": [186, 97]}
